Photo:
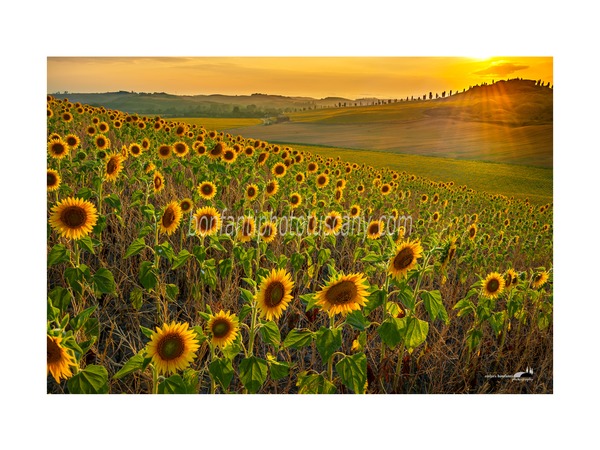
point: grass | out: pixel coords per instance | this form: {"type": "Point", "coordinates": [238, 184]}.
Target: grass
{"type": "Point", "coordinates": [511, 180]}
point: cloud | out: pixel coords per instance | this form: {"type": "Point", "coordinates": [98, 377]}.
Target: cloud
{"type": "Point", "coordinates": [501, 68]}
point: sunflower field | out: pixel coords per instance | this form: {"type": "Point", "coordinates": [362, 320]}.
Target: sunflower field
{"type": "Point", "coordinates": [184, 260]}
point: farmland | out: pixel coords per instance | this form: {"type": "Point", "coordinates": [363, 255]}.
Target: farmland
{"type": "Point", "coordinates": [184, 259]}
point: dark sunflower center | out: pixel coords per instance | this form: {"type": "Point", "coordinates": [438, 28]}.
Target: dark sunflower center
{"type": "Point", "coordinates": [404, 258]}
{"type": "Point", "coordinates": [295, 199]}
{"type": "Point", "coordinates": [251, 192]}
{"type": "Point", "coordinates": [471, 232]}
{"type": "Point", "coordinates": [220, 328]}
{"type": "Point", "coordinates": [274, 293]}
{"type": "Point", "coordinates": [157, 182]}
{"type": "Point", "coordinates": [51, 179]}
{"type": "Point", "coordinates": [53, 353]}
{"type": "Point", "coordinates": [180, 148]}
{"type": "Point", "coordinates": [247, 228]}
{"type": "Point", "coordinates": [341, 293]}
{"type": "Point", "coordinates": [73, 216]}
{"type": "Point", "coordinates": [321, 180]}
{"type": "Point", "coordinates": [354, 211]}
{"type": "Point", "coordinates": [71, 141]}
{"type": "Point", "coordinates": [374, 228]}
{"type": "Point", "coordinates": [168, 218]}
{"type": "Point", "coordinates": [493, 285]}
{"type": "Point", "coordinates": [338, 195]}
{"type": "Point", "coordinates": [207, 189]}
{"type": "Point", "coordinates": [100, 142]}
{"type": "Point", "coordinates": [267, 231]}
{"type": "Point", "coordinates": [229, 155]}
{"type": "Point", "coordinates": [205, 222]}
{"type": "Point", "coordinates": [185, 206]}
{"type": "Point", "coordinates": [270, 188]}
{"type": "Point", "coordinates": [385, 188]}
{"type": "Point", "coordinates": [111, 166]}
{"type": "Point", "coordinates": [279, 169]}
{"type": "Point", "coordinates": [312, 223]}
{"type": "Point", "coordinates": [171, 346]}
{"type": "Point", "coordinates": [135, 149]}
{"type": "Point", "coordinates": [164, 151]}
{"type": "Point", "coordinates": [58, 148]}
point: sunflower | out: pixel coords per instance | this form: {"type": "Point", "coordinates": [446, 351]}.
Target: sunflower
{"type": "Point", "coordinates": [267, 232]}
{"type": "Point", "coordinates": [217, 151]}
{"type": "Point", "coordinates": [322, 180]}
{"type": "Point", "coordinates": [249, 151]}
{"type": "Point", "coordinates": [181, 149]}
{"type": "Point", "coordinates": [200, 148]}
{"type": "Point", "coordinates": [386, 189]}
{"type": "Point", "coordinates": [113, 167]}
{"type": "Point", "coordinates": [103, 127]}
{"type": "Point", "coordinates": [360, 188]}
{"type": "Point", "coordinates": [58, 359]}
{"type": "Point", "coordinates": [424, 198]}
{"type": "Point", "coordinates": [338, 195]}
{"type": "Point", "coordinates": [312, 167]}
{"type": "Point", "coordinates": [262, 158]}
{"type": "Point", "coordinates": [275, 293]}
{"type": "Point", "coordinates": [171, 218]}
{"type": "Point", "coordinates": [343, 294]}
{"type": "Point", "coordinates": [448, 251]}
{"type": "Point", "coordinates": [279, 170]}
{"type": "Point", "coordinates": [510, 278]}
{"type": "Point", "coordinates": [164, 151]}
{"type": "Point", "coordinates": [405, 258]}
{"type": "Point", "coordinates": [247, 229]}
{"type": "Point", "coordinates": [158, 181]}
{"type": "Point", "coordinates": [135, 149]}
{"type": "Point", "coordinates": [251, 191]}
{"type": "Point", "coordinates": [375, 229]}
{"type": "Point", "coordinates": [493, 285]}
{"type": "Point", "coordinates": [436, 216]}
{"type": "Point", "coordinates": [223, 327]}
{"type": "Point", "coordinates": [312, 224]}
{"type": "Point", "coordinates": [73, 218]}
{"type": "Point", "coordinates": [146, 144]}
{"type": "Point", "coordinates": [333, 222]}
{"type": "Point", "coordinates": [186, 205]}
{"type": "Point", "coordinates": [52, 180]}
{"type": "Point", "coordinates": [207, 221]}
{"type": "Point", "coordinates": [272, 188]}
{"type": "Point", "coordinates": [472, 230]}
{"type": "Point", "coordinates": [300, 177]}
{"type": "Point", "coordinates": [207, 190]}
{"type": "Point", "coordinates": [354, 211]}
{"type": "Point", "coordinates": [229, 156]}
{"type": "Point", "coordinates": [295, 200]}
{"type": "Point", "coordinates": [57, 148]}
{"type": "Point", "coordinates": [540, 279]}
{"type": "Point", "coordinates": [172, 347]}
{"type": "Point", "coordinates": [67, 116]}
{"type": "Point", "coordinates": [72, 141]}
{"type": "Point", "coordinates": [102, 142]}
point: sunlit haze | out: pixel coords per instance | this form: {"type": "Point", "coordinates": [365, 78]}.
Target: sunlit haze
{"type": "Point", "coordinates": [318, 77]}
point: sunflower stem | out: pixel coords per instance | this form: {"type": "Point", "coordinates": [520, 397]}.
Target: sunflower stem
{"type": "Point", "coordinates": [213, 385]}
{"type": "Point", "coordinates": [330, 360]}
{"type": "Point", "coordinates": [252, 329]}
{"type": "Point", "coordinates": [154, 380]}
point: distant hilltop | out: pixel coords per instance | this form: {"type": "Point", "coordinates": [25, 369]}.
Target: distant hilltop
{"type": "Point", "coordinates": [265, 105]}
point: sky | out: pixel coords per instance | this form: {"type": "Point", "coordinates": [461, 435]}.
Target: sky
{"type": "Point", "coordinates": [317, 77]}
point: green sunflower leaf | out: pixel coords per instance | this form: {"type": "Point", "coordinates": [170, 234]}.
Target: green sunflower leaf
{"type": "Point", "coordinates": [269, 332]}
{"type": "Point", "coordinates": [328, 341]}
{"type": "Point", "coordinates": [135, 247]}
{"type": "Point", "coordinates": [91, 380]}
{"type": "Point", "coordinates": [353, 372]}
{"type": "Point", "coordinates": [298, 339]}
{"type": "Point", "coordinates": [221, 371]}
{"type": "Point", "coordinates": [253, 373]}
{"type": "Point", "coordinates": [314, 384]}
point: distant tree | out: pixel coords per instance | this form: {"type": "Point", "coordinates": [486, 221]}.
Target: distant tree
{"type": "Point", "coordinates": [443, 94]}
{"type": "Point", "coordinates": [450, 93]}
{"type": "Point", "coordinates": [431, 95]}
{"type": "Point", "coordinates": [437, 95]}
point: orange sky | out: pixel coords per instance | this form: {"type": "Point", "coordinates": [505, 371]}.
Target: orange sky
{"type": "Point", "coordinates": [350, 77]}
